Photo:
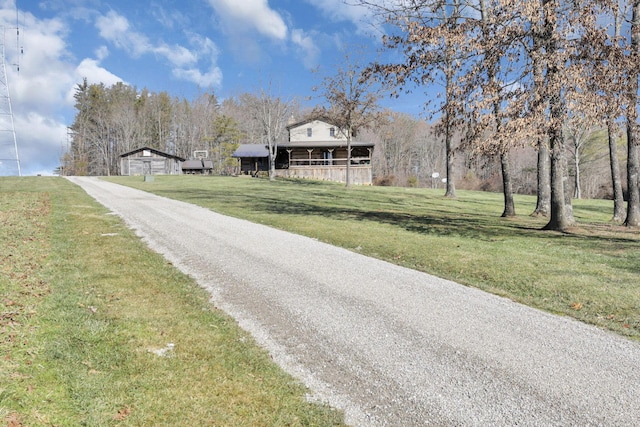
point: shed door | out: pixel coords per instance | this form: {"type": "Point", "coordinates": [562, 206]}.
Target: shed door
{"type": "Point", "coordinates": [146, 167]}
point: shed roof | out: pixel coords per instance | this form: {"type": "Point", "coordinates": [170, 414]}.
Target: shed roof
{"type": "Point", "coordinates": [192, 164]}
{"type": "Point", "coordinates": [153, 150]}
{"type": "Point", "coordinates": [251, 150]}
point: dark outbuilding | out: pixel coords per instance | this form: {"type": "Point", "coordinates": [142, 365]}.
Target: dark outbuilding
{"type": "Point", "coordinates": [149, 161]}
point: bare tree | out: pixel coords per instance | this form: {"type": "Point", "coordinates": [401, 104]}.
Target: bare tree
{"type": "Point", "coordinates": [271, 114]}
{"type": "Point", "coordinates": [433, 44]}
{"type": "Point", "coordinates": [352, 98]}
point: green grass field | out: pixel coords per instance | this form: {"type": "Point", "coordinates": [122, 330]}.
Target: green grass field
{"type": "Point", "coordinates": [97, 330]}
{"type": "Point", "coordinates": [591, 273]}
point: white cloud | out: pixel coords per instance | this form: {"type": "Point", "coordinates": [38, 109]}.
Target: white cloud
{"type": "Point", "coordinates": [169, 19]}
{"type": "Point", "coordinates": [102, 52]}
{"type": "Point", "coordinates": [306, 47]}
{"type": "Point", "coordinates": [43, 88]}
{"type": "Point", "coordinates": [340, 11]}
{"type": "Point", "coordinates": [91, 70]}
{"type": "Point", "coordinates": [38, 90]}
{"type": "Point", "coordinates": [41, 147]}
{"type": "Point", "coordinates": [212, 78]}
{"type": "Point", "coordinates": [237, 15]}
{"type": "Point", "coordinates": [116, 29]}
{"type": "Point", "coordinates": [177, 55]}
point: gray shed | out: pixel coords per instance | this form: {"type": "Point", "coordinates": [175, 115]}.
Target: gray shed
{"type": "Point", "coordinates": [149, 161]}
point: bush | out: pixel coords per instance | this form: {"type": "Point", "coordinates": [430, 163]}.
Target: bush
{"type": "Point", "coordinates": [385, 181]}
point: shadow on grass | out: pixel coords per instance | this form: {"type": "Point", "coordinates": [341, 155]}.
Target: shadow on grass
{"type": "Point", "coordinates": [439, 221]}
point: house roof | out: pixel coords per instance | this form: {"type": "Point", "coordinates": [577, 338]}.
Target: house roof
{"type": "Point", "coordinates": [153, 150]}
{"type": "Point", "coordinates": [251, 150]}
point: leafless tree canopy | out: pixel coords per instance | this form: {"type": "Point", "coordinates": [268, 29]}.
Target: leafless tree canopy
{"type": "Point", "coordinates": [515, 74]}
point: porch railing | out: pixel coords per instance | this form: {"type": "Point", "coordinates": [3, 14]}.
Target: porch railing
{"type": "Point", "coordinates": [355, 161]}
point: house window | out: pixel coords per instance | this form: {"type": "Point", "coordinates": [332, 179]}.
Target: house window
{"type": "Point", "coordinates": [332, 132]}
{"type": "Point", "coordinates": [146, 153]}
{"type": "Point", "coordinates": [309, 132]}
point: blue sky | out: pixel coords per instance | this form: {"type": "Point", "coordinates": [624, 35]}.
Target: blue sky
{"type": "Point", "coordinates": [182, 47]}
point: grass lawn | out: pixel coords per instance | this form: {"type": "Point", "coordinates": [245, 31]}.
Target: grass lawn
{"type": "Point", "coordinates": [591, 273]}
{"type": "Point", "coordinates": [97, 330]}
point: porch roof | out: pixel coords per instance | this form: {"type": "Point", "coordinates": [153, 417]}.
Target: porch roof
{"type": "Point", "coordinates": [324, 144]}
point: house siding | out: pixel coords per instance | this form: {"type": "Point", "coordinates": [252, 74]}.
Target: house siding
{"type": "Point", "coordinates": [320, 131]}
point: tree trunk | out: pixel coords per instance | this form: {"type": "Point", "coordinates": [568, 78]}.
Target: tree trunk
{"type": "Point", "coordinates": [558, 220]}
{"type": "Point", "coordinates": [272, 162]}
{"type": "Point", "coordinates": [509, 206]}
{"type": "Point", "coordinates": [451, 187]}
{"type": "Point", "coordinates": [618, 196]}
{"type": "Point", "coordinates": [448, 117]}
{"type": "Point", "coordinates": [348, 172]}
{"type": "Point", "coordinates": [543, 205]}
{"type": "Point", "coordinates": [450, 184]}
{"type": "Point", "coordinates": [577, 192]}
{"type": "Point", "coordinates": [561, 216]}
{"type": "Point", "coordinates": [633, 160]}
{"type": "Point", "coordinates": [568, 207]}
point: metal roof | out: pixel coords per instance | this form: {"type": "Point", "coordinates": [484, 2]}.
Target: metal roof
{"type": "Point", "coordinates": [153, 150]}
{"type": "Point", "coordinates": [336, 143]}
{"type": "Point", "coordinates": [251, 150]}
{"type": "Point", "coordinates": [192, 164]}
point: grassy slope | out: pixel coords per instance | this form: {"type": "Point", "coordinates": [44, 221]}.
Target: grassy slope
{"type": "Point", "coordinates": [590, 273]}
{"type": "Point", "coordinates": [84, 305]}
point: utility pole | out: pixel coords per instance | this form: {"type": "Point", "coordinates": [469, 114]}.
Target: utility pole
{"type": "Point", "coordinates": [9, 158]}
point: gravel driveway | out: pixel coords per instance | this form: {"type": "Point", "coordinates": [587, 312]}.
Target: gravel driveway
{"type": "Point", "coordinates": [389, 345]}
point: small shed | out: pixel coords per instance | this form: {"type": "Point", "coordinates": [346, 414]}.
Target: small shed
{"type": "Point", "coordinates": [149, 161]}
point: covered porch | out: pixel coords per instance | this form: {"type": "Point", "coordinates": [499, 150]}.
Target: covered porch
{"type": "Point", "coordinates": [326, 161]}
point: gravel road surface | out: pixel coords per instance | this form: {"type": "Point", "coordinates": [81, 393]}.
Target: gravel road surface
{"type": "Point", "coordinates": [389, 345]}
